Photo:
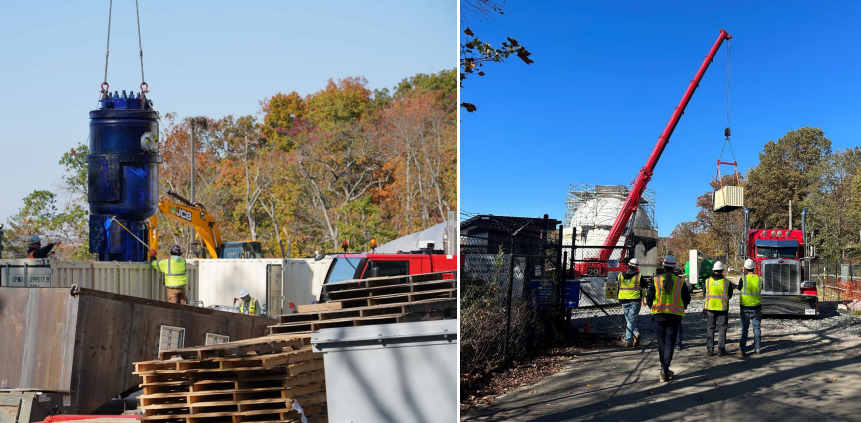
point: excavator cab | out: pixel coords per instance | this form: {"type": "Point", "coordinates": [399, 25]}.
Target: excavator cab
{"type": "Point", "coordinates": [242, 249]}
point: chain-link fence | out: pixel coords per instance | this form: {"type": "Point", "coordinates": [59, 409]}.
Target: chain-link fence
{"type": "Point", "coordinates": [500, 318]}
{"type": "Point", "coordinates": [596, 269]}
{"type": "Point", "coordinates": [524, 287]}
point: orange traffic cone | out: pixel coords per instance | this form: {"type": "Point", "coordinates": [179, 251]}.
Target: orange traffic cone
{"type": "Point", "coordinates": [588, 328]}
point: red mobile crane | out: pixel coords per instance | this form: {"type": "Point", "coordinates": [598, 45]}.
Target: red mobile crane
{"type": "Point", "coordinates": [639, 184]}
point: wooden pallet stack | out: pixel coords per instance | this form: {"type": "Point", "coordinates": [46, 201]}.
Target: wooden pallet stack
{"type": "Point", "coordinates": [376, 301]}
{"type": "Point", "coordinates": [256, 380]}
{"type": "Point", "coordinates": [260, 380]}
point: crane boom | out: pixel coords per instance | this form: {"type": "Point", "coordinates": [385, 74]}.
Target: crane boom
{"type": "Point", "coordinates": [639, 184]}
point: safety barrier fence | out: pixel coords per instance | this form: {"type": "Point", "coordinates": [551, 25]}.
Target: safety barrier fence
{"type": "Point", "coordinates": [837, 290]}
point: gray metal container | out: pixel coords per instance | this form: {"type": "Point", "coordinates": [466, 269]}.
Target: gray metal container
{"type": "Point", "coordinates": [402, 372]}
{"type": "Point", "coordinates": [84, 345]}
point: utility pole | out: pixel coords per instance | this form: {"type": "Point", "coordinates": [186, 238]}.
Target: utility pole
{"type": "Point", "coordinates": [192, 160]}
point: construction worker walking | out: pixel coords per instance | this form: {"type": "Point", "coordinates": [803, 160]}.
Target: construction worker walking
{"type": "Point", "coordinates": [751, 307]}
{"type": "Point", "coordinates": [630, 296]}
{"type": "Point", "coordinates": [175, 277]}
{"type": "Point", "coordinates": [668, 297]}
{"type": "Point", "coordinates": [717, 293]}
{"type": "Point", "coordinates": [249, 305]}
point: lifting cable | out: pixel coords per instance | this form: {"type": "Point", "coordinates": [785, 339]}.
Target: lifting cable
{"type": "Point", "coordinates": [105, 88]}
{"type": "Point", "coordinates": [105, 85]}
{"type": "Point", "coordinates": [727, 132]}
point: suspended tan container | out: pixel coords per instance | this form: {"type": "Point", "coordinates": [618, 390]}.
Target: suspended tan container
{"type": "Point", "coordinates": [728, 198]}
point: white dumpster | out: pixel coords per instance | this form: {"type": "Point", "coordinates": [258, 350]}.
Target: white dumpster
{"type": "Point", "coordinates": [401, 372]}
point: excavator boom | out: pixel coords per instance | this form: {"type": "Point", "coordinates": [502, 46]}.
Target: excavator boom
{"type": "Point", "coordinates": [191, 214]}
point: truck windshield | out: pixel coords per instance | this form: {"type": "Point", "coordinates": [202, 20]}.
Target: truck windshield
{"type": "Point", "coordinates": [776, 252]}
{"type": "Point", "coordinates": [343, 269]}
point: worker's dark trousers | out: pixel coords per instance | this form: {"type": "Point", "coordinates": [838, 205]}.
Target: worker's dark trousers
{"type": "Point", "coordinates": [718, 318]}
{"type": "Point", "coordinates": [666, 332]}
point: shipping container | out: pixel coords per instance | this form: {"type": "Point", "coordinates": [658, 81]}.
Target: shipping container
{"type": "Point", "coordinates": [126, 278]}
{"type": "Point", "coordinates": [275, 283]}
{"type": "Point", "coordinates": [728, 198]}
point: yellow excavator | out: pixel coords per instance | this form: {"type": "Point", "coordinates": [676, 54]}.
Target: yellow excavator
{"type": "Point", "coordinates": [195, 215]}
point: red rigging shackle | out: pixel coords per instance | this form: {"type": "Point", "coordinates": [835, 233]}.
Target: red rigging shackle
{"type": "Point", "coordinates": [105, 87]}
{"type": "Point", "coordinates": [144, 87]}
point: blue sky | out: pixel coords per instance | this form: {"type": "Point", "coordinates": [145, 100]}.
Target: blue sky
{"type": "Point", "coordinates": [608, 75]}
{"type": "Point", "coordinates": [210, 58]}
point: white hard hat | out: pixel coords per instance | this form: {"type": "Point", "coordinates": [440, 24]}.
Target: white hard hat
{"type": "Point", "coordinates": [749, 264]}
{"type": "Point", "coordinates": [718, 266]}
{"type": "Point", "coordinates": [670, 261]}
{"type": "Point", "coordinates": [243, 293]}
{"type": "Point", "coordinates": [633, 262]}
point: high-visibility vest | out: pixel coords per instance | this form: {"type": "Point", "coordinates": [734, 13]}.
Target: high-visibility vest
{"type": "Point", "coordinates": [629, 289]}
{"type": "Point", "coordinates": [174, 272]}
{"type": "Point", "coordinates": [249, 307]}
{"type": "Point", "coordinates": [751, 290]}
{"type": "Point", "coordinates": [668, 302]}
{"type": "Point", "coordinates": [717, 294]}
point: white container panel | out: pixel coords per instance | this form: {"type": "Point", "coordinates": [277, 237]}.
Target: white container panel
{"type": "Point", "coordinates": [303, 280]}
{"type": "Point", "coordinates": [221, 279]}
{"type": "Point", "coordinates": [728, 198]}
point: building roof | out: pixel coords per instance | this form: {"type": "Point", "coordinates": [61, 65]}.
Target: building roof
{"type": "Point", "coordinates": [508, 224]}
{"type": "Point", "coordinates": [416, 241]}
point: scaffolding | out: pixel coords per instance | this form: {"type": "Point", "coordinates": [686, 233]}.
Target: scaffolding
{"type": "Point", "coordinates": [597, 206]}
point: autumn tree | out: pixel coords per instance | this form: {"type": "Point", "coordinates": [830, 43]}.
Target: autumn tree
{"type": "Point", "coordinates": [279, 113]}
{"type": "Point", "coordinates": [834, 204]}
{"type": "Point", "coordinates": [786, 172]}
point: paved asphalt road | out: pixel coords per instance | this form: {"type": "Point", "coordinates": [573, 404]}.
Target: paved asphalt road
{"type": "Point", "coordinates": [809, 370]}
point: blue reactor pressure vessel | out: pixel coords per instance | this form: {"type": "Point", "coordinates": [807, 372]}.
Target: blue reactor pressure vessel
{"type": "Point", "coordinates": [122, 176]}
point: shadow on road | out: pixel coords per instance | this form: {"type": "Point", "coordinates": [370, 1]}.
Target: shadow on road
{"type": "Point", "coordinates": [792, 380]}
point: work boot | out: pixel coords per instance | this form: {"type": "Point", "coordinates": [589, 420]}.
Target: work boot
{"type": "Point", "coordinates": [679, 347]}
{"type": "Point", "coordinates": [663, 376]}
{"type": "Point", "coordinates": [710, 353]}
{"type": "Point", "coordinates": [636, 339]}
{"type": "Point", "coordinates": [628, 345]}
{"type": "Point", "coordinates": [670, 374]}
{"type": "Point", "coordinates": [721, 352]}
{"type": "Point", "coordinates": [758, 351]}
{"type": "Point", "coordinates": [741, 354]}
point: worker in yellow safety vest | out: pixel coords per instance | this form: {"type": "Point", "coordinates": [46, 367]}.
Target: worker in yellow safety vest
{"type": "Point", "coordinates": [750, 302]}
{"type": "Point", "coordinates": [175, 277]}
{"type": "Point", "coordinates": [668, 297]}
{"type": "Point", "coordinates": [717, 293]}
{"type": "Point", "coordinates": [248, 305]}
{"type": "Point", "coordinates": [630, 296]}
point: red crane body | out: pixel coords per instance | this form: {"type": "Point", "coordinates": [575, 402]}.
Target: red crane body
{"type": "Point", "coordinates": [639, 184]}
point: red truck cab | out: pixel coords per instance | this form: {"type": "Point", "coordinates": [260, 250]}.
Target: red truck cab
{"type": "Point", "coordinates": [782, 266]}
{"type": "Point", "coordinates": [351, 266]}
